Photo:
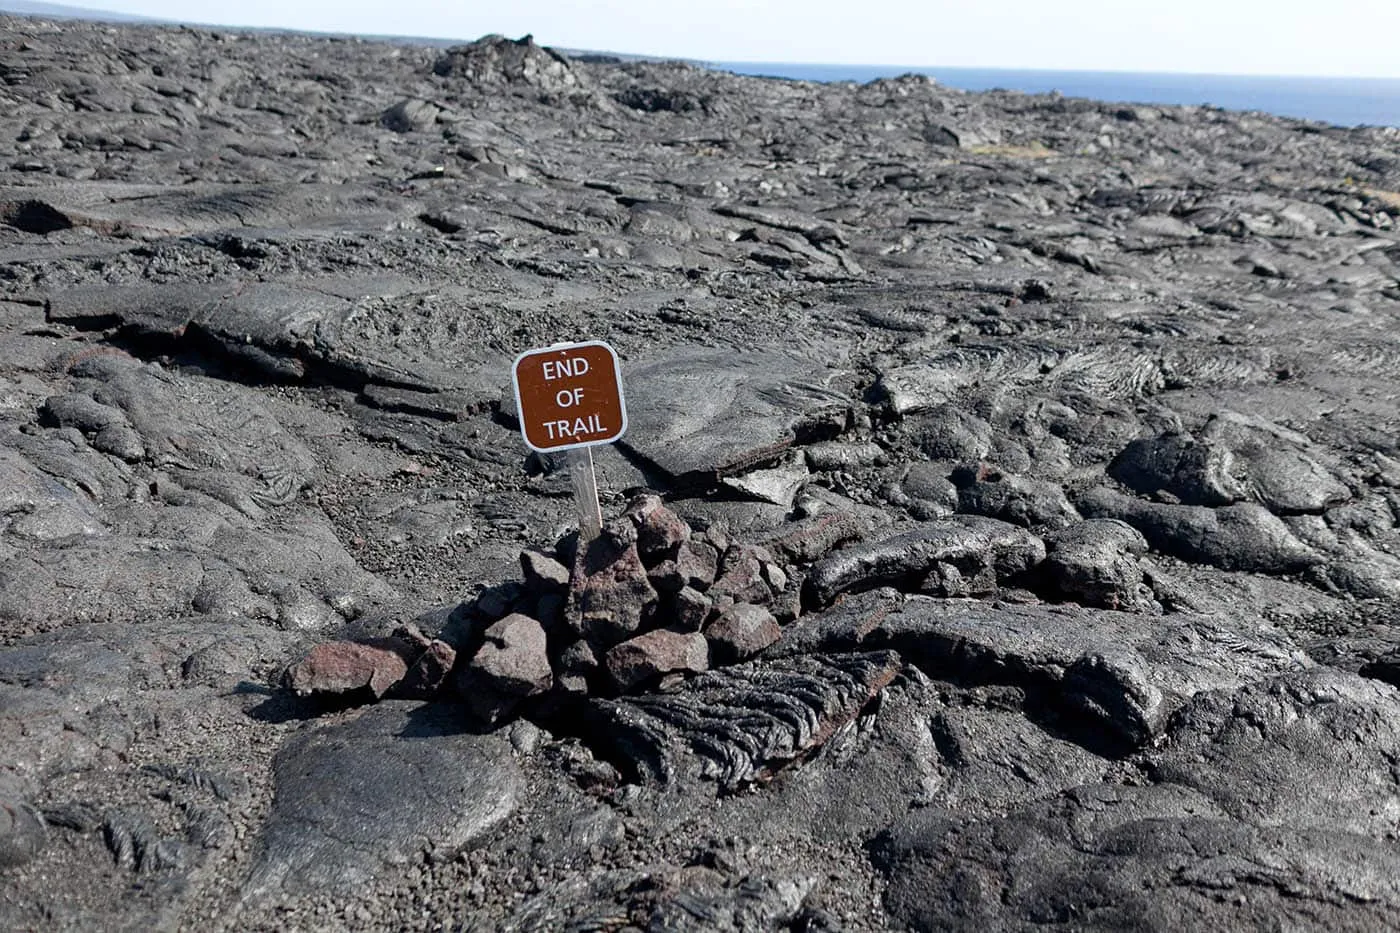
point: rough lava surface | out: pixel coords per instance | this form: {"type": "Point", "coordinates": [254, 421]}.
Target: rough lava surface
{"type": "Point", "coordinates": [1007, 535]}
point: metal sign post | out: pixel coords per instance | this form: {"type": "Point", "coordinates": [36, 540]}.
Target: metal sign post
{"type": "Point", "coordinates": [569, 397]}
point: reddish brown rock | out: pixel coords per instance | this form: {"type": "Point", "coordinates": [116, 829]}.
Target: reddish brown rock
{"type": "Point", "coordinates": [511, 665]}
{"type": "Point", "coordinates": [740, 632]}
{"type": "Point", "coordinates": [543, 574]}
{"type": "Point", "coordinates": [697, 562]}
{"type": "Point", "coordinates": [344, 666]}
{"type": "Point", "coordinates": [774, 575]}
{"type": "Point", "coordinates": [659, 530]}
{"type": "Point", "coordinates": [744, 576]}
{"type": "Point", "coordinates": [660, 652]}
{"type": "Point", "coordinates": [576, 665]}
{"type": "Point", "coordinates": [514, 659]}
{"type": "Point", "coordinates": [429, 673]}
{"type": "Point", "coordinates": [666, 578]}
{"type": "Point", "coordinates": [695, 565]}
{"type": "Point", "coordinates": [690, 609]}
{"type": "Point", "coordinates": [717, 537]}
{"type": "Point", "coordinates": [610, 597]}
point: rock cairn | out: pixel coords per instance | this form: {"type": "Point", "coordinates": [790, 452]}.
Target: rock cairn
{"type": "Point", "coordinates": [647, 602]}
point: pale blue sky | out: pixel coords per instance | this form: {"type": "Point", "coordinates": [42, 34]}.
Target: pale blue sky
{"type": "Point", "coordinates": [1301, 37]}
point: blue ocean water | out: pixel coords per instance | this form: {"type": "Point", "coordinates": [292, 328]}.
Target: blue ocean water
{"type": "Point", "coordinates": [1340, 101]}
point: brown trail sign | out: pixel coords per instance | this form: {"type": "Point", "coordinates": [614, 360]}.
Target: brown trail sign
{"type": "Point", "coordinates": [569, 397]}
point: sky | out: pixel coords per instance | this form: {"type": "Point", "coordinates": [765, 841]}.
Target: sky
{"type": "Point", "coordinates": [1344, 38]}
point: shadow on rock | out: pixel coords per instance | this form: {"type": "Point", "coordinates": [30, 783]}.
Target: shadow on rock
{"type": "Point", "coordinates": [288, 707]}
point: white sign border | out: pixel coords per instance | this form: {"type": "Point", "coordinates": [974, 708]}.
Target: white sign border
{"type": "Point", "coordinates": [617, 377]}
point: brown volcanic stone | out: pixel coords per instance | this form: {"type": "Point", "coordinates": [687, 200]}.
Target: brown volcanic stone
{"type": "Point", "coordinates": [659, 530]}
{"type": "Point", "coordinates": [543, 574]}
{"type": "Point", "coordinates": [514, 659]}
{"type": "Point", "coordinates": [690, 610]}
{"type": "Point", "coordinates": [697, 562]}
{"type": "Point", "coordinates": [577, 664]}
{"type": "Point", "coordinates": [742, 577]}
{"type": "Point", "coordinates": [695, 565]}
{"type": "Point", "coordinates": [429, 673]}
{"type": "Point", "coordinates": [659, 652]}
{"type": "Point", "coordinates": [666, 577]}
{"type": "Point", "coordinates": [343, 666]}
{"type": "Point", "coordinates": [740, 632]}
{"type": "Point", "coordinates": [610, 597]}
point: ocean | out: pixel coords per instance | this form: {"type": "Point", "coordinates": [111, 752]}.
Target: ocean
{"type": "Point", "coordinates": [1339, 101]}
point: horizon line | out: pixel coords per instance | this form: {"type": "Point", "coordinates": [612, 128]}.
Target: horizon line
{"type": "Point", "coordinates": [93, 15]}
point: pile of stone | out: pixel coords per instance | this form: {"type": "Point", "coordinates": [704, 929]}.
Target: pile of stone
{"type": "Point", "coordinates": [652, 600]}
{"type": "Point", "coordinates": [645, 603]}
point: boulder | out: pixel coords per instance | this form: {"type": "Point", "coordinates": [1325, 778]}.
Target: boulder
{"type": "Point", "coordinates": [663, 651]}
{"type": "Point", "coordinates": [430, 673]}
{"type": "Point", "coordinates": [543, 574]}
{"type": "Point", "coordinates": [660, 531]}
{"type": "Point", "coordinates": [610, 596]}
{"type": "Point", "coordinates": [513, 659]}
{"type": "Point", "coordinates": [689, 610]}
{"type": "Point", "coordinates": [345, 666]}
{"type": "Point", "coordinates": [747, 574]}
{"type": "Point", "coordinates": [740, 632]}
